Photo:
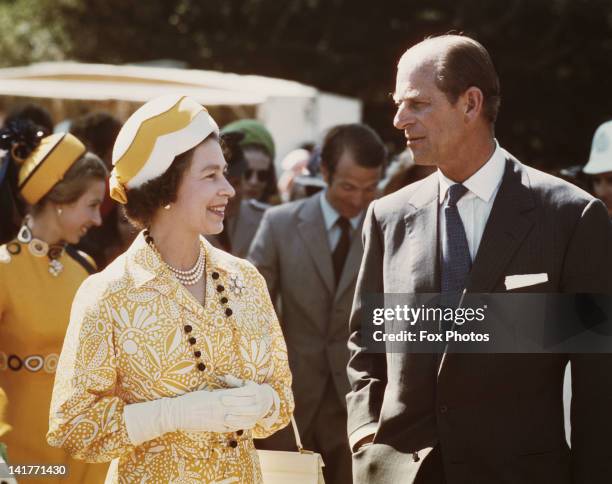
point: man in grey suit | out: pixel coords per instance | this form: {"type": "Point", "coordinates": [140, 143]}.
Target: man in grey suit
{"type": "Point", "coordinates": [309, 253]}
{"type": "Point", "coordinates": [483, 216]}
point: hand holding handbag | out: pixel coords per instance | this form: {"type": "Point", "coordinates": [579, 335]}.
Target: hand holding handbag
{"type": "Point", "coordinates": [282, 467]}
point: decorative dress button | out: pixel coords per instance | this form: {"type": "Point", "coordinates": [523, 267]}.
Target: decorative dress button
{"type": "Point", "coordinates": [239, 432]}
{"type": "Point", "coordinates": [228, 312]}
{"type": "Point", "coordinates": [220, 288]}
{"type": "Point", "coordinates": [201, 366]}
{"type": "Point", "coordinates": [197, 354]}
{"type": "Point", "coordinates": [188, 328]}
{"type": "Point", "coordinates": [224, 300]}
{"type": "Point", "coordinates": [215, 275]}
{"type": "Point", "coordinates": [233, 444]}
{"type": "Point", "coordinates": [192, 341]}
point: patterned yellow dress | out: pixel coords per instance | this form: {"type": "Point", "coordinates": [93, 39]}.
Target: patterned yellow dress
{"type": "Point", "coordinates": [34, 314]}
{"type": "Point", "coordinates": [136, 334]}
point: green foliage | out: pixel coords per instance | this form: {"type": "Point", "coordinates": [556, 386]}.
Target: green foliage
{"type": "Point", "coordinates": [31, 32]}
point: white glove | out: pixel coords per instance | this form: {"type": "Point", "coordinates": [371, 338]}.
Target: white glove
{"type": "Point", "coordinates": [266, 402]}
{"type": "Point", "coordinates": [4, 472]}
{"type": "Point", "coordinates": [199, 411]}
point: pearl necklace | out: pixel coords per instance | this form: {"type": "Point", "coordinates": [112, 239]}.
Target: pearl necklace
{"type": "Point", "coordinates": [190, 276]}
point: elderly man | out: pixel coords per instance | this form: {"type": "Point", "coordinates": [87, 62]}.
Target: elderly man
{"type": "Point", "coordinates": [309, 253]}
{"type": "Point", "coordinates": [482, 216]}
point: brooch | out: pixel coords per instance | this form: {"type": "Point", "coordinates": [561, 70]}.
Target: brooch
{"type": "Point", "coordinates": [236, 284]}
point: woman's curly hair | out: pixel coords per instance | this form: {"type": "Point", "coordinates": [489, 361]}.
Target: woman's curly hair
{"type": "Point", "coordinates": [144, 201]}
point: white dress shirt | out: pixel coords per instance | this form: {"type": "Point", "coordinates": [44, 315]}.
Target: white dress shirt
{"type": "Point", "coordinates": [330, 216]}
{"type": "Point", "coordinates": [475, 206]}
{"type": "Point", "coordinates": [474, 209]}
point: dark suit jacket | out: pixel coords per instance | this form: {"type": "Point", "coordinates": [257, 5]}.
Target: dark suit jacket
{"type": "Point", "coordinates": [495, 418]}
{"type": "Point", "coordinates": [291, 250]}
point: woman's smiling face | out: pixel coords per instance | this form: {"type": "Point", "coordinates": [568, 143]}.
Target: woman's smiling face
{"type": "Point", "coordinates": [204, 191]}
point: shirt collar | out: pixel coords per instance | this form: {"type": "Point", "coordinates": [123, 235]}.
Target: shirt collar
{"type": "Point", "coordinates": [485, 181]}
{"type": "Point", "coordinates": [330, 215]}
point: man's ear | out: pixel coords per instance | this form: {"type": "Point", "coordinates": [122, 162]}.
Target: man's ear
{"type": "Point", "coordinates": [473, 103]}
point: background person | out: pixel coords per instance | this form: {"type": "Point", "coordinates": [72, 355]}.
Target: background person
{"type": "Point", "coordinates": [174, 359]}
{"type": "Point", "coordinates": [98, 130]}
{"type": "Point", "coordinates": [39, 276]}
{"type": "Point", "coordinates": [309, 253]}
{"type": "Point", "coordinates": [259, 178]}
{"type": "Point", "coordinates": [12, 208]}
{"type": "Point", "coordinates": [599, 167]}
{"type": "Point", "coordinates": [242, 215]}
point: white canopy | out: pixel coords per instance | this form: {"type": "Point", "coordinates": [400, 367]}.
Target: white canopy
{"type": "Point", "coordinates": [293, 112]}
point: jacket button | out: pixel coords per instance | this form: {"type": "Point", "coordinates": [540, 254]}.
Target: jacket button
{"type": "Point", "coordinates": [215, 275]}
{"type": "Point", "coordinates": [192, 341]}
{"type": "Point", "coordinates": [201, 366]}
{"type": "Point", "coordinates": [233, 444]}
{"type": "Point", "coordinates": [443, 409]}
{"type": "Point", "coordinates": [188, 328]}
{"type": "Point", "coordinates": [224, 300]}
{"type": "Point", "coordinates": [239, 432]}
{"type": "Point", "coordinates": [220, 288]}
{"type": "Point", "coordinates": [228, 312]}
{"type": "Point", "coordinates": [197, 354]}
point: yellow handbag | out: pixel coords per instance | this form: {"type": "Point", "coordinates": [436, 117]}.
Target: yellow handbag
{"type": "Point", "coordinates": [282, 467]}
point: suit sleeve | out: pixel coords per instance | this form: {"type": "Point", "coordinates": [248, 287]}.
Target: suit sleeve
{"type": "Point", "coordinates": [86, 417]}
{"type": "Point", "coordinates": [367, 372]}
{"type": "Point", "coordinates": [263, 253]}
{"type": "Point", "coordinates": [588, 269]}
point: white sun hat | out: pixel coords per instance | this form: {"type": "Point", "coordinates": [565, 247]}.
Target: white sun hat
{"type": "Point", "coordinates": [600, 160]}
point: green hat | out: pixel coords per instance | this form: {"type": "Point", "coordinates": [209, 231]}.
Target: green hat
{"type": "Point", "coordinates": [255, 133]}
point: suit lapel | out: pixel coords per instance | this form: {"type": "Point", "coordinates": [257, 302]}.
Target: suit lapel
{"type": "Point", "coordinates": [508, 224]}
{"type": "Point", "coordinates": [353, 261]}
{"type": "Point", "coordinates": [422, 231]}
{"type": "Point", "coordinates": [311, 228]}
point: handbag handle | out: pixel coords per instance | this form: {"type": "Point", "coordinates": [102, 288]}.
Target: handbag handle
{"type": "Point", "coordinates": [296, 433]}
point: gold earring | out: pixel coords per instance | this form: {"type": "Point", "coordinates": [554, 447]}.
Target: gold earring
{"type": "Point", "coordinates": [167, 207]}
{"type": "Point", "coordinates": [59, 211]}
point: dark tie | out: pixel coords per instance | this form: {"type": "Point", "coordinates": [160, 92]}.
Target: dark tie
{"type": "Point", "coordinates": [342, 247]}
{"type": "Point", "coordinates": [456, 260]}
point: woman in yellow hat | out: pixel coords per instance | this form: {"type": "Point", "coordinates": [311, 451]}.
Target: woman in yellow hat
{"type": "Point", "coordinates": [62, 186]}
{"type": "Point", "coordinates": [174, 359]}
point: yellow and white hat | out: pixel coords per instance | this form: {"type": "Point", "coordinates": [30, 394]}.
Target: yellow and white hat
{"type": "Point", "coordinates": [152, 137]}
{"type": "Point", "coordinates": [600, 160]}
{"type": "Point", "coordinates": [47, 165]}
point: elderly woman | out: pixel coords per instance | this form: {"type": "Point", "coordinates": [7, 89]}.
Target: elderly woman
{"type": "Point", "coordinates": [62, 186]}
{"type": "Point", "coordinates": [174, 359]}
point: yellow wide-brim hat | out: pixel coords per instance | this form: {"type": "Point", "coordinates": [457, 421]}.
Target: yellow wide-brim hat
{"type": "Point", "coordinates": [47, 165]}
{"type": "Point", "coordinates": [600, 160]}
{"type": "Point", "coordinates": [153, 137]}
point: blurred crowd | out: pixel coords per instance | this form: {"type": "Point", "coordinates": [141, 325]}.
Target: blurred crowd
{"type": "Point", "coordinates": [298, 220]}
